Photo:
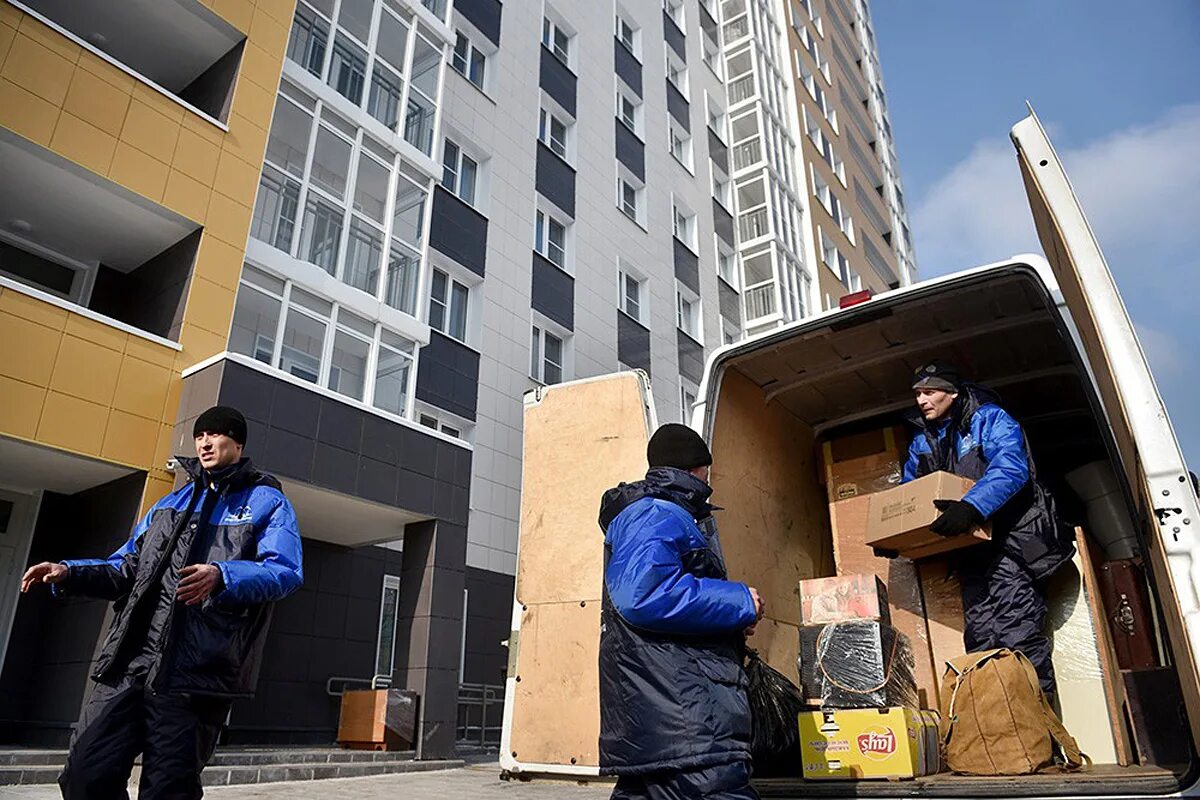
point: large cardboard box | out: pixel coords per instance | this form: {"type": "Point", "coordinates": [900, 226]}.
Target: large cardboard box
{"type": "Point", "coordinates": [378, 719]}
{"type": "Point", "coordinates": [843, 597]}
{"type": "Point", "coordinates": [856, 664]}
{"type": "Point", "coordinates": [887, 743]}
{"type": "Point", "coordinates": [863, 462]}
{"type": "Point", "coordinates": [899, 518]}
{"type": "Point", "coordinates": [906, 606]}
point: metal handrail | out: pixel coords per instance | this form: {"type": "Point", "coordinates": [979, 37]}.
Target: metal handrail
{"type": "Point", "coordinates": [478, 695]}
{"type": "Point", "coordinates": [374, 682]}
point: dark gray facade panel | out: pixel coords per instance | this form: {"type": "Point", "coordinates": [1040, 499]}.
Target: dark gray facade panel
{"type": "Point", "coordinates": [458, 231]}
{"type": "Point", "coordinates": [677, 104]}
{"type": "Point", "coordinates": [489, 622]}
{"type": "Point", "coordinates": [674, 37]}
{"type": "Point", "coordinates": [687, 266]}
{"type": "Point", "coordinates": [633, 342]}
{"type": "Point", "coordinates": [555, 179]}
{"type": "Point", "coordinates": [691, 356]}
{"type": "Point", "coordinates": [627, 67]}
{"type": "Point", "coordinates": [717, 151]}
{"type": "Point", "coordinates": [731, 301]}
{"type": "Point", "coordinates": [723, 224]}
{"type": "Point", "coordinates": [448, 376]}
{"type": "Point", "coordinates": [708, 24]}
{"type": "Point", "coordinates": [484, 15]}
{"type": "Point", "coordinates": [553, 292]}
{"type": "Point", "coordinates": [558, 80]}
{"type": "Point", "coordinates": [631, 151]}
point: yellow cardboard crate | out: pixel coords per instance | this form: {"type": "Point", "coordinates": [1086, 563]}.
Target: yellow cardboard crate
{"type": "Point", "coordinates": [853, 744]}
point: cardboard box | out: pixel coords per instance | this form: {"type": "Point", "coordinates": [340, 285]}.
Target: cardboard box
{"type": "Point", "coordinates": [863, 462]}
{"type": "Point", "coordinates": [378, 719]}
{"type": "Point", "coordinates": [857, 664]}
{"type": "Point", "coordinates": [906, 605]}
{"type": "Point", "coordinates": [886, 743]}
{"type": "Point", "coordinates": [899, 518]}
{"type": "Point", "coordinates": [841, 598]}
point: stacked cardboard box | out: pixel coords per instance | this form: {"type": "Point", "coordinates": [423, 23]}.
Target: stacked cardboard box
{"type": "Point", "coordinates": [870, 743]}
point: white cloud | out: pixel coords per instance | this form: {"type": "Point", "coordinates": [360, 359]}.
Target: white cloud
{"type": "Point", "coordinates": [1140, 188]}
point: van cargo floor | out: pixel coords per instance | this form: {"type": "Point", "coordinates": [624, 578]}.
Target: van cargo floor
{"type": "Point", "coordinates": [1105, 779]}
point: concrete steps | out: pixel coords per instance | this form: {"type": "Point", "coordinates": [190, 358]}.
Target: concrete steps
{"type": "Point", "coordinates": [234, 766]}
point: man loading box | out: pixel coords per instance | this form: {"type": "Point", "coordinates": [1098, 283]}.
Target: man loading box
{"type": "Point", "coordinates": [962, 430]}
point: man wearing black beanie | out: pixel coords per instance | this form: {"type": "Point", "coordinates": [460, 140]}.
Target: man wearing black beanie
{"type": "Point", "coordinates": [194, 587]}
{"type": "Point", "coordinates": [674, 716]}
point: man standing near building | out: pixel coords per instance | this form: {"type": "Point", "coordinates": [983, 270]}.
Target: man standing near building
{"type": "Point", "coordinates": [962, 430]}
{"type": "Point", "coordinates": [674, 716]}
{"type": "Point", "coordinates": [193, 591]}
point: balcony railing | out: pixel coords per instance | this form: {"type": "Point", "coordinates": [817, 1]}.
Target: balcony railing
{"type": "Point", "coordinates": [746, 154]}
{"type": "Point", "coordinates": [741, 89]}
{"type": "Point", "coordinates": [754, 224]}
{"type": "Point", "coordinates": [760, 301]}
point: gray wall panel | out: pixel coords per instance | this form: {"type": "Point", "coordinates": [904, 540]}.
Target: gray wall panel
{"type": "Point", "coordinates": [458, 231]}
{"type": "Point", "coordinates": [484, 15]}
{"type": "Point", "coordinates": [731, 301]}
{"type": "Point", "coordinates": [691, 356]}
{"type": "Point", "coordinates": [677, 104]}
{"type": "Point", "coordinates": [448, 375]}
{"type": "Point", "coordinates": [687, 266]}
{"type": "Point", "coordinates": [674, 37]}
{"type": "Point", "coordinates": [558, 80]}
{"type": "Point", "coordinates": [555, 179]}
{"type": "Point", "coordinates": [553, 292]}
{"type": "Point", "coordinates": [633, 343]}
{"type": "Point", "coordinates": [630, 150]}
{"type": "Point", "coordinates": [628, 68]}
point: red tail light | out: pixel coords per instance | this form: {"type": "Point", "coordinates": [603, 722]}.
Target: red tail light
{"type": "Point", "coordinates": [848, 300]}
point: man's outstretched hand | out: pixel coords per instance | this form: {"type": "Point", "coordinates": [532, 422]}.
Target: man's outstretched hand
{"type": "Point", "coordinates": [759, 606]}
{"type": "Point", "coordinates": [197, 583]}
{"type": "Point", "coordinates": [45, 572]}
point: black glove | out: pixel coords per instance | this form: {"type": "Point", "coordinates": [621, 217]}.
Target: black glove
{"type": "Point", "coordinates": [957, 517]}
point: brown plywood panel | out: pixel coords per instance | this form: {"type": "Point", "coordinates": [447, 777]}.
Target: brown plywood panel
{"type": "Point", "coordinates": [556, 710]}
{"type": "Point", "coordinates": [581, 439]}
{"type": "Point", "coordinates": [775, 526]}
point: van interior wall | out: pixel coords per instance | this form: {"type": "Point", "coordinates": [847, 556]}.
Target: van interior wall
{"type": "Point", "coordinates": [775, 527]}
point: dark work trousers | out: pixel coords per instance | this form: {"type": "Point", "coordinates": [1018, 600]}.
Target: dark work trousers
{"type": "Point", "coordinates": [176, 735]}
{"type": "Point", "coordinates": [726, 782]}
{"type": "Point", "coordinates": [1004, 606]}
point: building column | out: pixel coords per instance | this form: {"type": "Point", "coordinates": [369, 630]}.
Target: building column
{"type": "Point", "coordinates": [429, 629]}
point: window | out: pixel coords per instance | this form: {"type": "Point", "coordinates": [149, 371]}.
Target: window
{"type": "Point", "coordinates": [448, 305]}
{"type": "Point", "coordinates": [717, 118]}
{"type": "Point", "coordinates": [422, 107]}
{"type": "Point", "coordinates": [730, 331]}
{"type": "Point", "coordinates": [727, 264]}
{"type": "Point", "coordinates": [680, 142]}
{"type": "Point", "coordinates": [550, 239]}
{"type": "Point", "coordinates": [629, 110]}
{"type": "Point", "coordinates": [385, 642]}
{"type": "Point", "coordinates": [547, 356]}
{"type": "Point", "coordinates": [557, 39]}
{"type": "Point", "coordinates": [351, 350]}
{"type": "Point", "coordinates": [632, 294]}
{"type": "Point", "coordinates": [628, 36]}
{"type": "Point", "coordinates": [552, 132]}
{"type": "Point", "coordinates": [459, 172]}
{"type": "Point", "coordinates": [256, 315]}
{"type": "Point", "coordinates": [468, 60]}
{"type": "Point", "coordinates": [304, 331]}
{"type": "Point", "coordinates": [684, 225]}
{"type": "Point", "coordinates": [687, 308]}
{"type": "Point", "coordinates": [348, 71]}
{"type": "Point", "coordinates": [309, 39]}
{"type": "Point", "coordinates": [676, 71]}
{"type": "Point", "coordinates": [393, 373]}
{"type": "Point", "coordinates": [674, 9]}
{"type": "Point", "coordinates": [629, 198]}
{"type": "Point", "coordinates": [687, 400]}
{"type": "Point", "coordinates": [432, 422]}
{"type": "Point", "coordinates": [721, 187]}
{"type": "Point", "coordinates": [712, 54]}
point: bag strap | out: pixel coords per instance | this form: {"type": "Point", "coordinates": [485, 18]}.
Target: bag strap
{"type": "Point", "coordinates": [1074, 759]}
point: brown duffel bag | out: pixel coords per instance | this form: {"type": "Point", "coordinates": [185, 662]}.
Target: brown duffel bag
{"type": "Point", "coordinates": [996, 720]}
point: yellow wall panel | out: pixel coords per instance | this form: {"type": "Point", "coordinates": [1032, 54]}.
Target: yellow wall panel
{"type": "Point", "coordinates": [219, 262]}
{"type": "Point", "coordinates": [96, 332]}
{"type": "Point", "coordinates": [93, 99]}
{"type": "Point", "coordinates": [281, 10]}
{"type": "Point", "coordinates": [38, 69]}
{"type": "Point", "coordinates": [267, 32]}
{"type": "Point", "coordinates": [27, 114]}
{"type": "Point", "coordinates": [152, 352]}
{"type": "Point", "coordinates": [187, 196]}
{"type": "Point", "coordinates": [261, 66]}
{"type": "Point", "coordinates": [7, 34]}
{"type": "Point", "coordinates": [20, 407]}
{"type": "Point", "coordinates": [210, 306]}
{"type": "Point", "coordinates": [32, 360]}
{"type": "Point", "coordinates": [164, 446]}
{"type": "Point", "coordinates": [236, 178]}
{"type": "Point", "coordinates": [135, 170]}
{"type": "Point", "coordinates": [203, 128]}
{"type": "Point", "coordinates": [254, 102]}
{"type": "Point", "coordinates": [72, 424]}
{"type": "Point", "coordinates": [49, 38]}
{"type": "Point", "coordinates": [86, 370]}
{"type": "Point", "coordinates": [117, 78]}
{"type": "Point", "coordinates": [83, 143]}
{"type": "Point", "coordinates": [10, 16]}
{"type": "Point", "coordinates": [150, 131]}
{"type": "Point", "coordinates": [22, 305]}
{"type": "Point", "coordinates": [142, 388]}
{"type": "Point", "coordinates": [245, 139]}
{"type": "Point", "coordinates": [156, 489]}
{"type": "Point", "coordinates": [129, 439]}
{"type": "Point", "coordinates": [228, 220]}
{"type": "Point", "coordinates": [164, 105]}
{"type": "Point", "coordinates": [196, 157]}
{"type": "Point", "coordinates": [199, 344]}
{"type": "Point", "coordinates": [237, 13]}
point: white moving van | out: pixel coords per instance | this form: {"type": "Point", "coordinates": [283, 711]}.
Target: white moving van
{"type": "Point", "coordinates": [1050, 334]}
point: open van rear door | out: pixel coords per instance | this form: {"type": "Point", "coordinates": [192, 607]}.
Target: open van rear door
{"type": "Point", "coordinates": [580, 439]}
{"type": "Point", "coordinates": [1150, 456]}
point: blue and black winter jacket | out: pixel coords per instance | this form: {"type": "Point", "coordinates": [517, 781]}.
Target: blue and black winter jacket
{"type": "Point", "coordinates": [214, 648]}
{"type": "Point", "coordinates": [672, 687]}
{"type": "Point", "coordinates": [981, 441]}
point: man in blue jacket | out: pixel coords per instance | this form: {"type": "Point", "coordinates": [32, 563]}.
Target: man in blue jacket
{"type": "Point", "coordinates": [962, 430]}
{"type": "Point", "coordinates": [193, 590]}
{"type": "Point", "coordinates": [674, 716]}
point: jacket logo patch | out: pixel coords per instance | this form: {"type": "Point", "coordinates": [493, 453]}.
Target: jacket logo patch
{"type": "Point", "coordinates": [877, 742]}
{"type": "Point", "coordinates": [965, 444]}
{"type": "Point", "coordinates": [236, 516]}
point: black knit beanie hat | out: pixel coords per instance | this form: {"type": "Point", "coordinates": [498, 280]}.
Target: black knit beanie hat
{"type": "Point", "coordinates": [222, 419]}
{"type": "Point", "coordinates": [675, 445]}
{"type": "Point", "coordinates": [938, 374]}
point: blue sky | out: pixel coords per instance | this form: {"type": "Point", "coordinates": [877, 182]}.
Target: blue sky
{"type": "Point", "coordinates": [1117, 84]}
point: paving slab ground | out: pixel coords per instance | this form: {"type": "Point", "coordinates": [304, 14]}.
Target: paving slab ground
{"type": "Point", "coordinates": [476, 782]}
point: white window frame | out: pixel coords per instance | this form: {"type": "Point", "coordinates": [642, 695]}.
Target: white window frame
{"type": "Point", "coordinates": [721, 118]}
{"type": "Point", "coordinates": [634, 45]}
{"type": "Point", "coordinates": [547, 116]}
{"type": "Point", "coordinates": [82, 281]}
{"type": "Point", "coordinates": [689, 394]}
{"type": "Point", "coordinates": [443, 421]}
{"type": "Point", "coordinates": [724, 252]}
{"type": "Point", "coordinates": [626, 274]}
{"type": "Point", "coordinates": [454, 279]}
{"type": "Point", "coordinates": [626, 95]}
{"type": "Point", "coordinates": [540, 327]}
{"type": "Point", "coordinates": [683, 224]}
{"type": "Point", "coordinates": [456, 187]}
{"type": "Point", "coordinates": [731, 332]}
{"type": "Point", "coordinates": [474, 56]}
{"type": "Point", "coordinates": [679, 143]}
{"type": "Point", "coordinates": [542, 243]}
{"type": "Point", "coordinates": [676, 66]}
{"type": "Point", "coordinates": [553, 24]}
{"type": "Point", "coordinates": [685, 297]}
{"type": "Point", "coordinates": [627, 181]}
{"type": "Point", "coordinates": [674, 9]}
